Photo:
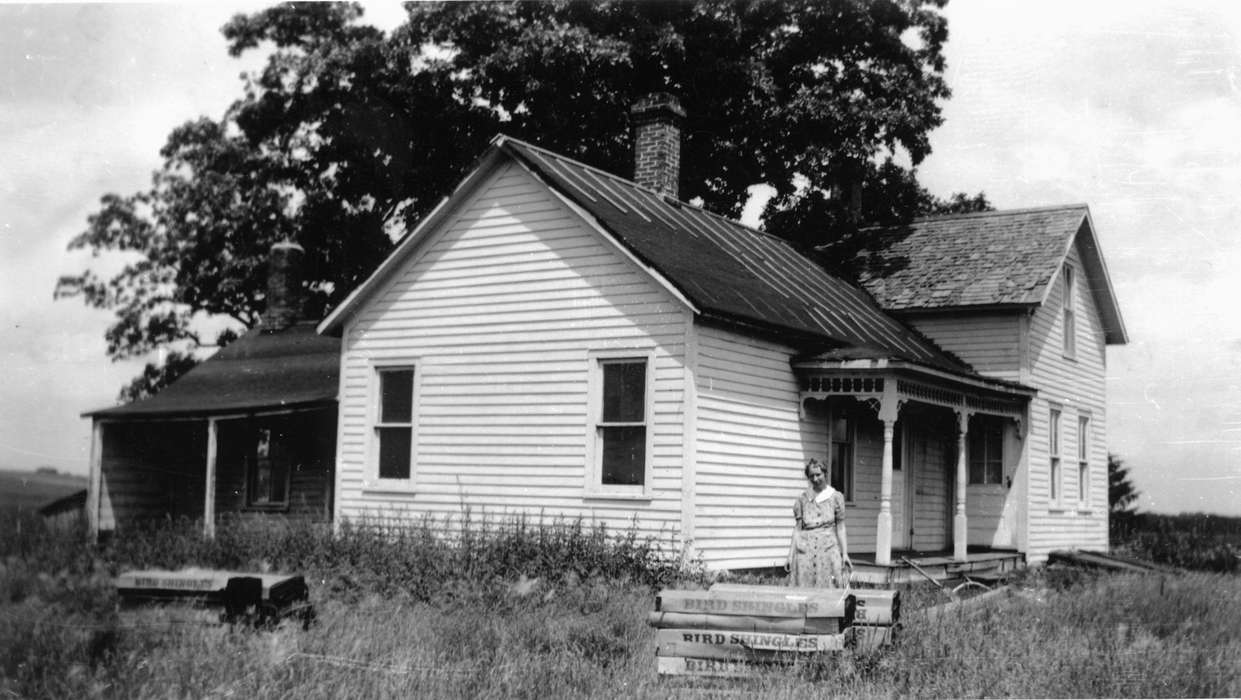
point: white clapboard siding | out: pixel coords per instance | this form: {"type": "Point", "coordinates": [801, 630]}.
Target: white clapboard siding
{"type": "Point", "coordinates": [1077, 387]}
{"type": "Point", "coordinates": [751, 449]}
{"type": "Point", "coordinates": [989, 342]}
{"type": "Point", "coordinates": [497, 314]}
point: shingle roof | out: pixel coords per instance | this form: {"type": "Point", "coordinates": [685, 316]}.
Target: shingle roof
{"type": "Point", "coordinates": [261, 370]}
{"type": "Point", "coordinates": [984, 259]}
{"type": "Point", "coordinates": [729, 271]}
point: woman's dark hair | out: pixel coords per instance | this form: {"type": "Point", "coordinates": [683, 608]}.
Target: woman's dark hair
{"type": "Point", "coordinates": [812, 462]}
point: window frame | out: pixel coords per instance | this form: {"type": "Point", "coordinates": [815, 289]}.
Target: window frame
{"type": "Point", "coordinates": [1083, 460]}
{"type": "Point", "coordinates": [1069, 308]}
{"type": "Point", "coordinates": [1055, 440]}
{"type": "Point", "coordinates": [850, 442]}
{"type": "Point", "coordinates": [253, 427]}
{"type": "Point", "coordinates": [593, 487]}
{"type": "Point", "coordinates": [373, 481]}
{"type": "Point", "coordinates": [982, 425]}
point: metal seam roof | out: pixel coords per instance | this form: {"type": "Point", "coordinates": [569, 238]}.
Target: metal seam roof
{"type": "Point", "coordinates": [729, 269]}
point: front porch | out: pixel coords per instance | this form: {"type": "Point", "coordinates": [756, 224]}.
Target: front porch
{"type": "Point", "coordinates": [979, 563]}
{"type": "Point", "coordinates": [927, 497]}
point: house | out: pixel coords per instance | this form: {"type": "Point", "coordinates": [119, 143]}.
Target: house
{"type": "Point", "coordinates": [556, 340]}
{"type": "Point", "coordinates": [251, 430]}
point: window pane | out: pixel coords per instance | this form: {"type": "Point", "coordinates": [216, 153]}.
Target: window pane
{"type": "Point", "coordinates": [995, 470]}
{"type": "Point", "coordinates": [1083, 433]}
{"type": "Point", "coordinates": [840, 429]}
{"type": "Point", "coordinates": [624, 454]}
{"type": "Point", "coordinates": [624, 392]}
{"type": "Point", "coordinates": [1054, 433]}
{"type": "Point", "coordinates": [396, 389]}
{"type": "Point", "coordinates": [1055, 478]}
{"type": "Point", "coordinates": [394, 448]}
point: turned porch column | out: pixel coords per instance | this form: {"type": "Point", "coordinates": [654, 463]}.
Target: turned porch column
{"type": "Point", "coordinates": [888, 409]}
{"type": "Point", "coordinates": [960, 524]}
{"type": "Point", "coordinates": [213, 427]}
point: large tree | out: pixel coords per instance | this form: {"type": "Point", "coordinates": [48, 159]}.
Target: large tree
{"type": "Point", "coordinates": [349, 135]}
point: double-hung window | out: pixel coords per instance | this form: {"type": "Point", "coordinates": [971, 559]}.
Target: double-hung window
{"type": "Point", "coordinates": [1083, 460]}
{"type": "Point", "coordinates": [394, 423]}
{"type": "Point", "coordinates": [621, 425]}
{"type": "Point", "coordinates": [1053, 450]}
{"type": "Point", "coordinates": [986, 450]}
{"type": "Point", "coordinates": [1070, 318]}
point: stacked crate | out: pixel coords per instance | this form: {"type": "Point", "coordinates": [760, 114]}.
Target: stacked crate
{"type": "Point", "coordinates": [260, 599]}
{"type": "Point", "coordinates": [736, 629]}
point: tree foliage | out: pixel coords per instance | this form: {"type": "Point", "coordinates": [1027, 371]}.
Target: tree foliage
{"type": "Point", "coordinates": [349, 135]}
{"type": "Point", "coordinates": [1121, 493]}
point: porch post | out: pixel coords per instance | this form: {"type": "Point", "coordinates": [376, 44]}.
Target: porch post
{"type": "Point", "coordinates": [888, 410]}
{"type": "Point", "coordinates": [960, 525]}
{"type": "Point", "coordinates": [94, 493]}
{"type": "Point", "coordinates": [209, 491]}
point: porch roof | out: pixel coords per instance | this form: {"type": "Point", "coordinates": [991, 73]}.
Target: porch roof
{"type": "Point", "coordinates": [262, 370]}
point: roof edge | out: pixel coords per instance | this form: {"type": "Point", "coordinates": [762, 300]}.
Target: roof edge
{"type": "Point", "coordinates": [334, 322]}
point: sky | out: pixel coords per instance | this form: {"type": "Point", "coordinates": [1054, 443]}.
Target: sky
{"type": "Point", "coordinates": [1133, 108]}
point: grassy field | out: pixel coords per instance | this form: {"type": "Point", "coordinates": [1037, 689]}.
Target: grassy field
{"type": "Point", "coordinates": [27, 491]}
{"type": "Point", "coordinates": [559, 610]}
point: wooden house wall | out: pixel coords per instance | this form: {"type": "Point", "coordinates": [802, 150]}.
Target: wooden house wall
{"type": "Point", "coordinates": [751, 449]}
{"type": "Point", "coordinates": [989, 342]}
{"type": "Point", "coordinates": [499, 313]}
{"type": "Point", "coordinates": [151, 470]}
{"type": "Point", "coordinates": [1077, 386]}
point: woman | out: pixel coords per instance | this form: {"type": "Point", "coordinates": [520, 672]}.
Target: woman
{"type": "Point", "coordinates": [820, 548]}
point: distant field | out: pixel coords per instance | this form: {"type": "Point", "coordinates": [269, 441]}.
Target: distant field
{"type": "Point", "coordinates": [22, 491]}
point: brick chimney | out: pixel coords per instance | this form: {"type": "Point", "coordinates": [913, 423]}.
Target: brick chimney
{"type": "Point", "coordinates": [657, 120]}
{"type": "Point", "coordinates": [284, 286]}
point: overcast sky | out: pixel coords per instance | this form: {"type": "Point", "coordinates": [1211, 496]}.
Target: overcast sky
{"type": "Point", "coordinates": [1133, 108]}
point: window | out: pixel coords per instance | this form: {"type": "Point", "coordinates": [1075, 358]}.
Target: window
{"type": "Point", "coordinates": [842, 454]}
{"type": "Point", "coordinates": [1083, 460]}
{"type": "Point", "coordinates": [1070, 320]}
{"type": "Point", "coordinates": [621, 429]}
{"type": "Point", "coordinates": [394, 427]}
{"type": "Point", "coordinates": [986, 450]}
{"type": "Point", "coordinates": [1053, 449]}
{"type": "Point", "coordinates": [267, 482]}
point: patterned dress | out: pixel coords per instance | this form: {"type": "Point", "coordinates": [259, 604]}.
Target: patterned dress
{"type": "Point", "coordinates": [814, 555]}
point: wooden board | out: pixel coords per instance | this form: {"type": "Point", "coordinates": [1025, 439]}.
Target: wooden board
{"type": "Point", "coordinates": [192, 581]}
{"type": "Point", "coordinates": [871, 607]}
{"type": "Point", "coordinates": [820, 603]}
{"type": "Point", "coordinates": [715, 644]}
{"type": "Point", "coordinates": [715, 668]}
{"type": "Point", "coordinates": [746, 623]}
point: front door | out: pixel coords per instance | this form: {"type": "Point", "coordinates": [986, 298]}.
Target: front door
{"type": "Point", "coordinates": [926, 476]}
{"type": "Point", "coordinates": [901, 505]}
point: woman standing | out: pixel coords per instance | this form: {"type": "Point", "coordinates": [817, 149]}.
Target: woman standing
{"type": "Point", "coordinates": [820, 548]}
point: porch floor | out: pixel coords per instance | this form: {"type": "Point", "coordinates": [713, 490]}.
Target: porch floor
{"type": "Point", "coordinates": [940, 565]}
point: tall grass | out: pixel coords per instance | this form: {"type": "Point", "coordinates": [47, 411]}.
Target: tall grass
{"type": "Point", "coordinates": [559, 609]}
